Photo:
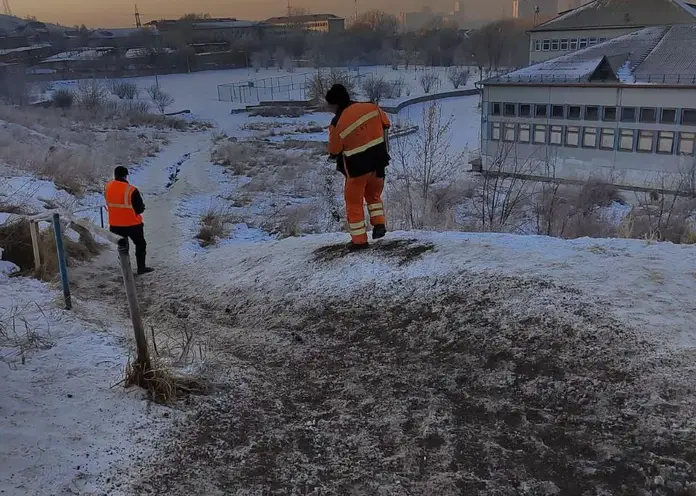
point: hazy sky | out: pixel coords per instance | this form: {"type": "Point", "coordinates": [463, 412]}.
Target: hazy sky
{"type": "Point", "coordinates": [117, 13]}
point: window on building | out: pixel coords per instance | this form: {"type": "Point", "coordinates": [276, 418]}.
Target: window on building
{"type": "Point", "coordinates": [665, 142]}
{"type": "Point", "coordinates": [524, 133]}
{"type": "Point", "coordinates": [668, 116]}
{"type": "Point", "coordinates": [525, 110]}
{"type": "Point", "coordinates": [495, 131]}
{"type": "Point", "coordinates": [589, 137]}
{"type": "Point", "coordinates": [495, 108]}
{"type": "Point", "coordinates": [558, 111]}
{"type": "Point", "coordinates": [555, 45]}
{"type": "Point", "coordinates": [648, 115]}
{"type": "Point", "coordinates": [510, 110]}
{"type": "Point", "coordinates": [564, 45]}
{"type": "Point", "coordinates": [607, 139]}
{"type": "Point", "coordinates": [574, 44]}
{"type": "Point", "coordinates": [626, 140]}
{"type": "Point", "coordinates": [574, 111]}
{"type": "Point", "coordinates": [686, 143]}
{"type": "Point", "coordinates": [602, 40]}
{"type": "Point", "coordinates": [540, 134]}
{"type": "Point", "coordinates": [645, 141]}
{"type": "Point", "coordinates": [591, 113]}
{"type": "Point", "coordinates": [556, 135]}
{"type": "Point", "coordinates": [593, 41]}
{"type": "Point", "coordinates": [582, 43]}
{"type": "Point", "coordinates": [509, 134]}
{"type": "Point", "coordinates": [609, 114]}
{"type": "Point", "coordinates": [572, 136]}
{"type": "Point", "coordinates": [689, 117]}
{"type": "Point", "coordinates": [537, 45]}
{"type": "Point", "coordinates": [546, 45]}
{"type": "Point", "coordinates": [541, 111]}
{"type": "Point", "coordinates": [628, 114]}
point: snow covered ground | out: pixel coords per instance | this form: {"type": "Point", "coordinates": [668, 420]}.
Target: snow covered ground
{"type": "Point", "coordinates": [436, 363]}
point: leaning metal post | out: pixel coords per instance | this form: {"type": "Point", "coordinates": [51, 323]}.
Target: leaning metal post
{"type": "Point", "coordinates": [63, 266]}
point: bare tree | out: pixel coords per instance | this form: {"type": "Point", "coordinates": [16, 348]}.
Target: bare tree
{"type": "Point", "coordinates": [424, 165]}
{"type": "Point", "coordinates": [504, 190]}
{"type": "Point", "coordinates": [160, 98]}
{"type": "Point", "coordinates": [458, 76]}
{"type": "Point", "coordinates": [429, 81]}
{"type": "Point", "coordinates": [376, 88]}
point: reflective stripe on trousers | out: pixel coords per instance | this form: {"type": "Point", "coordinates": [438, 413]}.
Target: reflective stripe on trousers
{"type": "Point", "coordinates": [360, 190]}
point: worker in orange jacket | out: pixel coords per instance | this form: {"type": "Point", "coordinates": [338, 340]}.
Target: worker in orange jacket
{"type": "Point", "coordinates": [125, 207]}
{"type": "Point", "coordinates": [358, 141]}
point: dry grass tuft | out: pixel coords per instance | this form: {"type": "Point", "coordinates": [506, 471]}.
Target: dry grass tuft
{"type": "Point", "coordinates": [17, 248]}
{"type": "Point", "coordinates": [212, 227]}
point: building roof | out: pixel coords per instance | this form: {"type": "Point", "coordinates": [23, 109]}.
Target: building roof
{"type": "Point", "coordinates": [226, 24]}
{"type": "Point", "coordinates": [302, 19]}
{"type": "Point", "coordinates": [110, 34]}
{"type": "Point", "coordinates": [658, 55]}
{"type": "Point", "coordinates": [604, 14]}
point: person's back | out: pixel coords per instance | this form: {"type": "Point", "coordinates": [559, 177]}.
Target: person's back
{"type": "Point", "coordinates": [125, 207]}
{"type": "Point", "coordinates": [357, 138]}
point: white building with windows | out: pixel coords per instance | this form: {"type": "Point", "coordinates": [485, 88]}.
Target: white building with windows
{"type": "Point", "coordinates": [623, 110]}
{"type": "Point", "coordinates": [599, 20]}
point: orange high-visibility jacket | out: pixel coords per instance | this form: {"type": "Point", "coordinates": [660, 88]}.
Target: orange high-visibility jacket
{"type": "Point", "coordinates": [119, 204]}
{"type": "Point", "coordinates": [358, 134]}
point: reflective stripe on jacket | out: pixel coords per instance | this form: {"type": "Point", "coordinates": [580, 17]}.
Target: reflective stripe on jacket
{"type": "Point", "coordinates": [358, 133]}
{"type": "Point", "coordinates": [119, 204]}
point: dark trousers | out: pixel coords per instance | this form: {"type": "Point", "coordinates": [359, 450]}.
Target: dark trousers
{"type": "Point", "coordinates": [137, 235]}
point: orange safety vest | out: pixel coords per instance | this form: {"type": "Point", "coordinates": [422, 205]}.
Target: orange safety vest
{"type": "Point", "coordinates": [119, 195]}
{"type": "Point", "coordinates": [358, 134]}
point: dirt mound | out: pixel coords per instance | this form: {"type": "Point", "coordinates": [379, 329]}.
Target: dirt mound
{"type": "Point", "coordinates": [476, 385]}
{"type": "Point", "coordinates": [403, 250]}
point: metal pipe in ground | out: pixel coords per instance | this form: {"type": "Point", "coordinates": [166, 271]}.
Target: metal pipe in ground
{"type": "Point", "coordinates": [62, 262]}
{"type": "Point", "coordinates": [143, 363]}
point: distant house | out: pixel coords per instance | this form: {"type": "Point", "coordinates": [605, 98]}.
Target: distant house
{"type": "Point", "coordinates": [624, 109]}
{"type": "Point", "coordinates": [318, 23]}
{"type": "Point", "coordinates": [600, 20]}
{"type": "Point", "coordinates": [209, 30]}
{"type": "Point", "coordinates": [121, 37]}
{"type": "Point", "coordinates": [25, 54]}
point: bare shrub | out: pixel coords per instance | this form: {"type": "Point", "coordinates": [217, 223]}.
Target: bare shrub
{"type": "Point", "coordinates": [63, 98]}
{"type": "Point", "coordinates": [661, 214]}
{"type": "Point", "coordinates": [160, 98]}
{"type": "Point", "coordinates": [91, 95]}
{"type": "Point", "coordinates": [429, 81]}
{"type": "Point", "coordinates": [14, 88]}
{"type": "Point", "coordinates": [422, 165]}
{"type": "Point", "coordinates": [261, 60]}
{"type": "Point", "coordinates": [17, 248]}
{"type": "Point", "coordinates": [212, 227]}
{"type": "Point", "coordinates": [289, 64]}
{"type": "Point", "coordinates": [125, 90]}
{"type": "Point", "coordinates": [290, 221]}
{"type": "Point", "coordinates": [504, 190]}
{"type": "Point", "coordinates": [376, 88]}
{"type": "Point", "coordinates": [458, 76]}
{"type": "Point", "coordinates": [322, 81]}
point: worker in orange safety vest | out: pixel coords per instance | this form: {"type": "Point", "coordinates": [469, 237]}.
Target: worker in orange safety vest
{"type": "Point", "coordinates": [125, 207]}
{"type": "Point", "coordinates": [358, 142]}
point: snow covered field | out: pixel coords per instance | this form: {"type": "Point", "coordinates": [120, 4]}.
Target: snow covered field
{"type": "Point", "coordinates": [437, 363]}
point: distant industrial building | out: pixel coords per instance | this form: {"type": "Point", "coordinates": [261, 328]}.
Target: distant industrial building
{"type": "Point", "coordinates": [212, 30]}
{"type": "Point", "coordinates": [623, 110]}
{"type": "Point", "coordinates": [534, 9]}
{"type": "Point", "coordinates": [318, 23]}
{"type": "Point", "coordinates": [599, 20]}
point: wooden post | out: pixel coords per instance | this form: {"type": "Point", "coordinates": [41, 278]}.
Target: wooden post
{"type": "Point", "coordinates": [62, 263]}
{"type": "Point", "coordinates": [34, 231]}
{"type": "Point", "coordinates": [143, 363]}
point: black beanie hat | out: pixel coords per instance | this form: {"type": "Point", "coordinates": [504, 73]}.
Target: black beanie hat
{"type": "Point", "coordinates": [338, 95]}
{"type": "Point", "coordinates": [120, 172]}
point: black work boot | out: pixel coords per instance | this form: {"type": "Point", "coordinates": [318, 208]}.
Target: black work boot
{"type": "Point", "coordinates": [379, 231]}
{"type": "Point", "coordinates": [357, 247]}
{"type": "Point", "coordinates": [142, 268]}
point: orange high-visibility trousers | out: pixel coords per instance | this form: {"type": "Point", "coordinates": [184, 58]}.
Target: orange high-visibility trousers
{"type": "Point", "coordinates": [366, 188]}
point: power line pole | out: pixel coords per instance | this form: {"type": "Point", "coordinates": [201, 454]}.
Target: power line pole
{"type": "Point", "coordinates": [289, 9]}
{"type": "Point", "coordinates": [6, 7]}
{"type": "Point", "coordinates": [138, 24]}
